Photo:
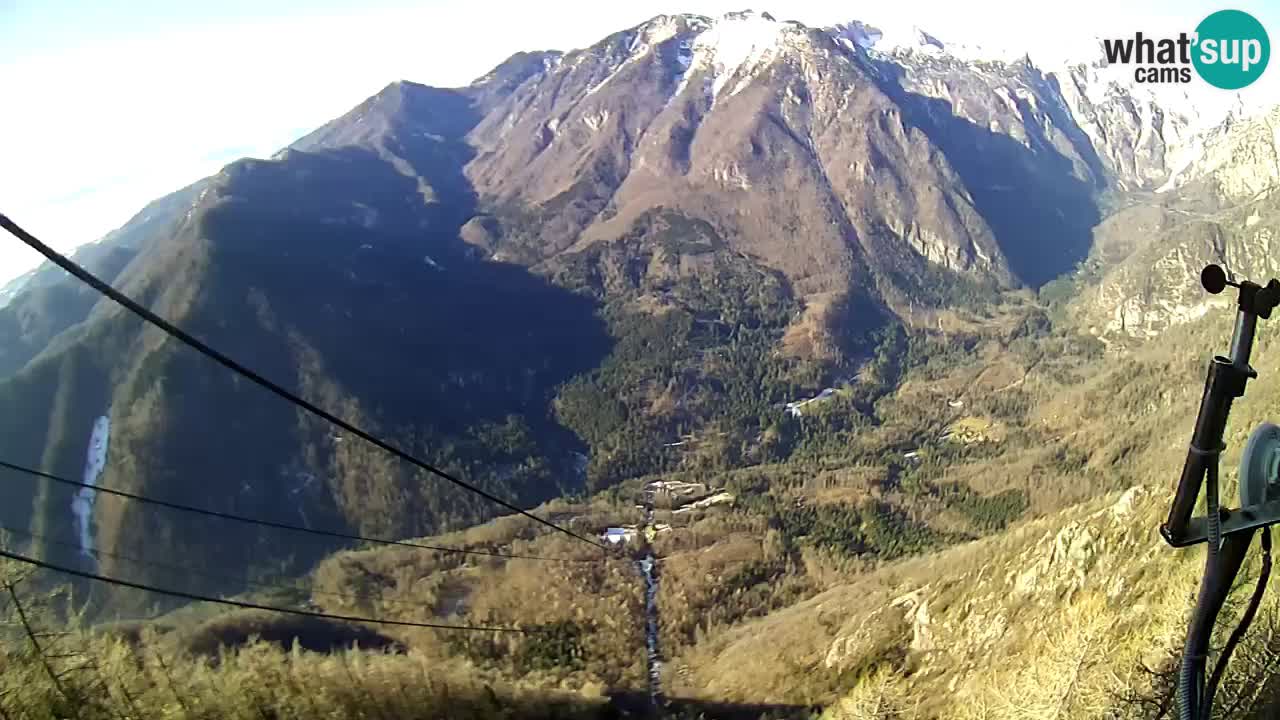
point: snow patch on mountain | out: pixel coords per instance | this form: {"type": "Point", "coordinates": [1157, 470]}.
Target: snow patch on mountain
{"type": "Point", "coordinates": [1186, 117]}
{"type": "Point", "coordinates": [596, 120]}
{"type": "Point", "coordinates": [1189, 155]}
{"type": "Point", "coordinates": [738, 42]}
{"type": "Point", "coordinates": [659, 30]}
{"type": "Point", "coordinates": [716, 50]}
{"type": "Point", "coordinates": [1151, 134]}
{"type": "Point", "coordinates": [896, 39]}
{"type": "Point", "coordinates": [646, 38]}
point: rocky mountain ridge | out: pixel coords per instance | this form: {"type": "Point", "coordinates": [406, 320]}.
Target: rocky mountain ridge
{"type": "Point", "coordinates": [1221, 209]}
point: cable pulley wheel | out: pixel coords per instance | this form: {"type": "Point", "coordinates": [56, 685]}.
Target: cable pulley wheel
{"type": "Point", "coordinates": [1260, 466]}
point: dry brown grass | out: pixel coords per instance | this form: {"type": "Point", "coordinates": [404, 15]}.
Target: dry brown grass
{"type": "Point", "coordinates": [598, 596]}
{"type": "Point", "coordinates": [1126, 420]}
{"type": "Point", "coordinates": [263, 681]}
{"type": "Point", "coordinates": [811, 336]}
{"type": "Point", "coordinates": [56, 667]}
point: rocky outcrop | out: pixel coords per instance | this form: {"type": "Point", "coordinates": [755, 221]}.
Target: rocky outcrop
{"type": "Point", "coordinates": [1054, 593]}
{"type": "Point", "coordinates": [1081, 599]}
{"type": "Point", "coordinates": [1088, 552]}
{"type": "Point", "coordinates": [769, 131]}
{"type": "Point", "coordinates": [1223, 208]}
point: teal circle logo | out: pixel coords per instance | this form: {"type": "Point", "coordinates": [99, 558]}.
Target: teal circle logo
{"type": "Point", "coordinates": [1232, 49]}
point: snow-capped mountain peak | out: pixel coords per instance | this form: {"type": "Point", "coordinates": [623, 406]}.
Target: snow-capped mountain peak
{"type": "Point", "coordinates": [897, 38]}
{"type": "Point", "coordinates": [737, 41]}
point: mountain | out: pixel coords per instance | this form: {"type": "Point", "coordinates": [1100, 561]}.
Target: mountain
{"type": "Point", "coordinates": [739, 122]}
{"type": "Point", "coordinates": [670, 234]}
{"type": "Point", "coordinates": [302, 266]}
{"type": "Point", "coordinates": [1185, 173]}
{"type": "Point", "coordinates": [40, 305]}
{"type": "Point", "coordinates": [1221, 208]}
{"type": "Point", "coordinates": [13, 287]}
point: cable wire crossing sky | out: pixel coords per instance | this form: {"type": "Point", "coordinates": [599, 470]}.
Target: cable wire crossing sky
{"type": "Point", "coordinates": [112, 105]}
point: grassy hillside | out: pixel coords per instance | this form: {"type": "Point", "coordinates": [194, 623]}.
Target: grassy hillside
{"type": "Point", "coordinates": [1066, 614]}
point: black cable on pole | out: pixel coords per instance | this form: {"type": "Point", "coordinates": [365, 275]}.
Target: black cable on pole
{"type": "Point", "coordinates": [251, 606]}
{"type": "Point", "coordinates": [142, 562]}
{"type": "Point", "coordinates": [102, 287]}
{"type": "Point", "coordinates": [270, 523]}
{"type": "Point", "coordinates": [1250, 611]}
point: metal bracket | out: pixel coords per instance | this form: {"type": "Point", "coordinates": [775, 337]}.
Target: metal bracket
{"type": "Point", "coordinates": [1233, 521]}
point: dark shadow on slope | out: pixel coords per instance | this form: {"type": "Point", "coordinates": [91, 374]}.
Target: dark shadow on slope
{"type": "Point", "coordinates": [638, 705]}
{"type": "Point", "coordinates": [326, 270]}
{"type": "Point", "coordinates": [1080, 141]}
{"type": "Point", "coordinates": [399, 310]}
{"type": "Point", "coordinates": [1041, 214]}
{"type": "Point", "coordinates": [238, 629]}
{"type": "Point", "coordinates": [338, 274]}
{"type": "Point", "coordinates": [421, 131]}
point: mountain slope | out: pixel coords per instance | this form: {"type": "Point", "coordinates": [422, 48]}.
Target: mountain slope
{"type": "Point", "coordinates": [667, 115]}
{"type": "Point", "coordinates": [1077, 613]}
{"type": "Point", "coordinates": [47, 301]}
{"type": "Point", "coordinates": [1223, 208]}
{"type": "Point", "coordinates": [303, 266]}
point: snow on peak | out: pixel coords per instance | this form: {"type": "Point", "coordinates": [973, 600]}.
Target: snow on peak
{"type": "Point", "coordinates": [896, 38]}
{"type": "Point", "coordinates": [737, 42]}
{"type": "Point", "coordinates": [717, 50]}
{"type": "Point", "coordinates": [643, 39]}
{"type": "Point", "coordinates": [748, 15]}
{"type": "Point", "coordinates": [661, 29]}
{"type": "Point", "coordinates": [856, 34]}
{"type": "Point", "coordinates": [1187, 111]}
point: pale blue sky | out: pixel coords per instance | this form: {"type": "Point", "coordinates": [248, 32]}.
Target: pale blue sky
{"type": "Point", "coordinates": [123, 101]}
